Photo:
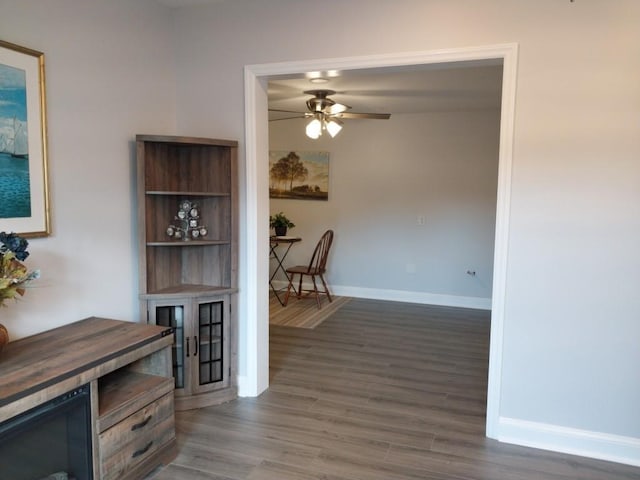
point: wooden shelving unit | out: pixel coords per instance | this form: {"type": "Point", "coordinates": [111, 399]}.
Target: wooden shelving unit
{"type": "Point", "coordinates": [190, 285]}
{"type": "Point", "coordinates": [128, 369]}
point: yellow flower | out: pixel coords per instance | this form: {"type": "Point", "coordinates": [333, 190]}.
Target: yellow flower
{"type": "Point", "coordinates": [14, 276]}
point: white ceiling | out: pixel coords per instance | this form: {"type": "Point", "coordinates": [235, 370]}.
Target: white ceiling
{"type": "Point", "coordinates": [414, 89]}
{"type": "Point", "coordinates": [186, 3]}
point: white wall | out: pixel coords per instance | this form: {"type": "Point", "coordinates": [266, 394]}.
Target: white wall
{"type": "Point", "coordinates": [383, 176]}
{"type": "Point", "coordinates": [571, 329]}
{"type": "Point", "coordinates": [571, 320]}
{"type": "Point", "coordinates": [109, 75]}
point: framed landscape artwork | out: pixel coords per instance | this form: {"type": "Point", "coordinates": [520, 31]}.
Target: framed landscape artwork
{"type": "Point", "coordinates": [24, 195]}
{"type": "Point", "coordinates": [299, 175]}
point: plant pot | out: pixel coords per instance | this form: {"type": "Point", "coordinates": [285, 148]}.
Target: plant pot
{"type": "Point", "coordinates": [281, 231]}
{"type": "Point", "coordinates": [4, 336]}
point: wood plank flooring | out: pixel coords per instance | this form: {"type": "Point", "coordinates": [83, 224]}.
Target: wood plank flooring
{"type": "Point", "coordinates": [378, 391]}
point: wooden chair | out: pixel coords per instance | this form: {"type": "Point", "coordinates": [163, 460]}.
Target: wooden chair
{"type": "Point", "coordinates": [316, 268]}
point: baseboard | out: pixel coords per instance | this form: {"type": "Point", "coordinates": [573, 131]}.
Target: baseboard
{"type": "Point", "coordinates": [414, 297]}
{"type": "Point", "coordinates": [585, 443]}
{"type": "Point", "coordinates": [403, 296]}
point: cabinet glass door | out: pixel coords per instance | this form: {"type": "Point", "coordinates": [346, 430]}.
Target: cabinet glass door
{"type": "Point", "coordinates": [173, 316]}
{"type": "Point", "coordinates": [211, 342]}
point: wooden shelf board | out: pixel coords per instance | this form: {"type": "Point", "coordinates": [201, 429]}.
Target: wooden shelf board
{"type": "Point", "coordinates": [187, 193]}
{"type": "Point", "coordinates": [187, 243]}
{"type": "Point", "coordinates": [124, 392]}
{"type": "Point", "coordinates": [183, 140]}
{"type": "Point", "coordinates": [188, 291]}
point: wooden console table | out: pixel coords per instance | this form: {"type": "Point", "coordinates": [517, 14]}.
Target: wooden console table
{"type": "Point", "coordinates": [128, 368]}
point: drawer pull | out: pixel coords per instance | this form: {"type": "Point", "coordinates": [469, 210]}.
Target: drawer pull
{"type": "Point", "coordinates": [142, 424]}
{"type": "Point", "coordinates": [142, 451]}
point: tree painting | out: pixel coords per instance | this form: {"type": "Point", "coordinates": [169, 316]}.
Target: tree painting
{"type": "Point", "coordinates": [299, 175]}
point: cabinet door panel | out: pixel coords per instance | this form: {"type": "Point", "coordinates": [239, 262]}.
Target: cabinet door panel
{"type": "Point", "coordinates": [211, 371]}
{"type": "Point", "coordinates": [173, 315]}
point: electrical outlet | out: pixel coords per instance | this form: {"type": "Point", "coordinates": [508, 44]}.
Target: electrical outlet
{"type": "Point", "coordinates": [421, 220]}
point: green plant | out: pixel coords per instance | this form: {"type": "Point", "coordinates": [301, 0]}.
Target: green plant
{"type": "Point", "coordinates": [280, 220]}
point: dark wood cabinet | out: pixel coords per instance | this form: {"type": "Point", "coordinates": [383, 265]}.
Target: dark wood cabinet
{"type": "Point", "coordinates": [189, 282]}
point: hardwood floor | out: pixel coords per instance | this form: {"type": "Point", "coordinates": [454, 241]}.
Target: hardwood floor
{"type": "Point", "coordinates": [378, 391]}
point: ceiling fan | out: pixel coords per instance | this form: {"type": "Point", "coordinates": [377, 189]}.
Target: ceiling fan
{"type": "Point", "coordinates": [326, 114]}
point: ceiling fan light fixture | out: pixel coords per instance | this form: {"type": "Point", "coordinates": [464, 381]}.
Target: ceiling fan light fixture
{"type": "Point", "coordinates": [314, 128]}
{"type": "Point", "coordinates": [338, 108]}
{"type": "Point", "coordinates": [334, 127]}
{"type": "Point", "coordinates": [325, 114]}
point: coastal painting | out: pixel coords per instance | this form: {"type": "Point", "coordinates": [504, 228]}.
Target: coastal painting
{"type": "Point", "coordinates": [15, 198]}
{"type": "Point", "coordinates": [24, 205]}
{"type": "Point", "coordinates": [299, 175]}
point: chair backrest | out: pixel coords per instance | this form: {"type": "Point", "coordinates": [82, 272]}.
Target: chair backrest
{"type": "Point", "coordinates": [318, 261]}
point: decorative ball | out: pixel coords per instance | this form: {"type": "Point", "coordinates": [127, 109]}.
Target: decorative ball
{"type": "Point", "coordinates": [4, 336]}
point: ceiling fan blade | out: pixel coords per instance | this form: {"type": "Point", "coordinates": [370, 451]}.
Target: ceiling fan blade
{"type": "Point", "coordinates": [287, 118]}
{"type": "Point", "coordinates": [286, 111]}
{"type": "Point", "coordinates": [375, 116]}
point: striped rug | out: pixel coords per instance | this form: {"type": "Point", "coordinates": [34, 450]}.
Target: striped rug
{"type": "Point", "coordinates": [303, 313]}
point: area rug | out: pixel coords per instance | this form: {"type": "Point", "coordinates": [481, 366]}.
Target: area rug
{"type": "Point", "coordinates": [303, 313]}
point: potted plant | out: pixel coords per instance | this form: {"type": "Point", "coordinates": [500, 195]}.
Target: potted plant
{"type": "Point", "coordinates": [280, 223]}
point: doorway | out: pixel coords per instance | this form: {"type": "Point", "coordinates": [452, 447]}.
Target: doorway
{"type": "Point", "coordinates": [254, 335]}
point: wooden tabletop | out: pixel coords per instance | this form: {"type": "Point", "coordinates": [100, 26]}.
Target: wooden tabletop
{"type": "Point", "coordinates": [276, 239]}
{"type": "Point", "coordinates": [36, 362]}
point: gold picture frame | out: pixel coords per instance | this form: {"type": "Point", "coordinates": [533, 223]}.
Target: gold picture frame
{"type": "Point", "coordinates": [24, 186]}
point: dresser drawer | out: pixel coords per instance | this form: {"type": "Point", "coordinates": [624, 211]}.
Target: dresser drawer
{"type": "Point", "coordinates": [136, 438]}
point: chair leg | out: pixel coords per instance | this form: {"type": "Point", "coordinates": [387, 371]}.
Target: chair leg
{"type": "Point", "coordinates": [300, 286]}
{"type": "Point", "coordinates": [286, 297]}
{"type": "Point", "coordinates": [326, 288]}
{"type": "Point", "coordinates": [315, 290]}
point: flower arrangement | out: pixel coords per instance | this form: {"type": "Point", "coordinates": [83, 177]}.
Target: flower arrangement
{"type": "Point", "coordinates": [14, 275]}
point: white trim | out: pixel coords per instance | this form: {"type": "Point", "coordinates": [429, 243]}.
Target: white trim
{"type": "Point", "coordinates": [501, 248]}
{"type": "Point", "coordinates": [603, 446]}
{"type": "Point", "coordinates": [248, 295]}
{"type": "Point", "coordinates": [408, 296]}
{"type": "Point", "coordinates": [254, 351]}
{"type": "Point", "coordinates": [257, 205]}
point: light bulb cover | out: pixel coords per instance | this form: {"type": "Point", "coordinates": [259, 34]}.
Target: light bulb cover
{"type": "Point", "coordinates": [314, 129]}
{"type": "Point", "coordinates": [333, 127]}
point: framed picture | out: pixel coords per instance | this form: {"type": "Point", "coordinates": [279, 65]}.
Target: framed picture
{"type": "Point", "coordinates": [299, 175]}
{"type": "Point", "coordinates": [24, 190]}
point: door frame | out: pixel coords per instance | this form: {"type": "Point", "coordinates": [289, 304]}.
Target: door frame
{"type": "Point", "coordinates": [254, 315]}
